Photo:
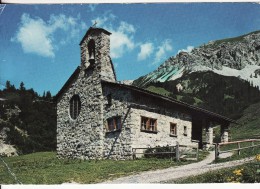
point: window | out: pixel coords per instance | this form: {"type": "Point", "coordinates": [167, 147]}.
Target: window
{"type": "Point", "coordinates": [75, 106]}
{"type": "Point", "coordinates": [185, 131]}
{"type": "Point", "coordinates": [148, 124]}
{"type": "Point", "coordinates": [114, 124]}
{"type": "Point", "coordinates": [173, 129]}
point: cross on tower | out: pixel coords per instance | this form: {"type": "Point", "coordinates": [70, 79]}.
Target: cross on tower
{"type": "Point", "coordinates": [94, 25]}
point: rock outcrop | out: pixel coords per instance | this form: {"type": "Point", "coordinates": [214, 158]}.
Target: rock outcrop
{"type": "Point", "coordinates": [239, 57]}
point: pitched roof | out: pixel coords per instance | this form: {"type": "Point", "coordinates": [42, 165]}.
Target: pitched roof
{"type": "Point", "coordinates": [71, 78]}
{"type": "Point", "coordinates": [152, 94]}
{"type": "Point", "coordinates": [94, 30]}
{"type": "Point", "coordinates": [173, 101]}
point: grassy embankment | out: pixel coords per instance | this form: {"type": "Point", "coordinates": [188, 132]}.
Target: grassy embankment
{"type": "Point", "coordinates": [45, 168]}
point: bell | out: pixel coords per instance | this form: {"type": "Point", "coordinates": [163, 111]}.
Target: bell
{"type": "Point", "coordinates": [91, 58]}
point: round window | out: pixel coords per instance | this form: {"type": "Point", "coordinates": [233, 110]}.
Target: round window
{"type": "Point", "coordinates": [75, 106]}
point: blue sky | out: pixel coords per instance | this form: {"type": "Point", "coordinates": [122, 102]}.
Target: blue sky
{"type": "Point", "coordinates": [39, 44]}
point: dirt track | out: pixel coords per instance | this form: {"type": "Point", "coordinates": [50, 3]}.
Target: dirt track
{"type": "Point", "coordinates": [177, 172]}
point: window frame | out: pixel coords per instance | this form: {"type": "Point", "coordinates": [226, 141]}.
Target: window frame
{"type": "Point", "coordinates": [174, 134]}
{"type": "Point", "coordinates": [74, 107]}
{"type": "Point", "coordinates": [149, 123]}
{"type": "Point", "coordinates": [115, 122]}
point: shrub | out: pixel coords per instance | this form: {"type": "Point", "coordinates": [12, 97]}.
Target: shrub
{"type": "Point", "coordinates": [153, 152]}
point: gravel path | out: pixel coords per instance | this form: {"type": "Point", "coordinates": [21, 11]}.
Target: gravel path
{"type": "Point", "coordinates": [178, 172]}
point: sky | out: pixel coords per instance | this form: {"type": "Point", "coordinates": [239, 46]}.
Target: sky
{"type": "Point", "coordinates": [39, 44]}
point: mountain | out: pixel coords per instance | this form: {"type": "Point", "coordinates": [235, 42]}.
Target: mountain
{"type": "Point", "coordinates": [222, 76]}
{"type": "Point", "coordinates": [238, 57]}
{"type": "Point", "coordinates": [226, 95]}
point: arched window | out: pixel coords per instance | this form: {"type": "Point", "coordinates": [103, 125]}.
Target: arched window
{"type": "Point", "coordinates": [75, 106]}
{"type": "Point", "coordinates": [91, 51]}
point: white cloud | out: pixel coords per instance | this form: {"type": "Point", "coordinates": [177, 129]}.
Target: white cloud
{"type": "Point", "coordinates": [38, 36]}
{"type": "Point", "coordinates": [125, 27]}
{"type": "Point", "coordinates": [162, 50]}
{"type": "Point", "coordinates": [146, 50]}
{"type": "Point", "coordinates": [122, 38]}
{"type": "Point", "coordinates": [188, 49]}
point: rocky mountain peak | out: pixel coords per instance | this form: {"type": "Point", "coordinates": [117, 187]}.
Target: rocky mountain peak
{"type": "Point", "coordinates": [238, 56]}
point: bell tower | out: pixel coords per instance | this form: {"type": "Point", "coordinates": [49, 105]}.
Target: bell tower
{"type": "Point", "coordinates": [95, 54]}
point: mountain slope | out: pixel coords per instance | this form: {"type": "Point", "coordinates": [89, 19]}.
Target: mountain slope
{"type": "Point", "coordinates": [238, 56]}
{"type": "Point", "coordinates": [249, 123]}
{"type": "Point", "coordinates": [221, 94]}
{"type": "Point", "coordinates": [27, 120]}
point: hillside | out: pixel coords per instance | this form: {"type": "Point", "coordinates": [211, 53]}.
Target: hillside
{"type": "Point", "coordinates": [222, 94]}
{"type": "Point", "coordinates": [249, 123]}
{"type": "Point", "coordinates": [27, 120]}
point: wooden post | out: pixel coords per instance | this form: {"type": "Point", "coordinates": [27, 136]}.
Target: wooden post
{"type": "Point", "coordinates": [238, 151]}
{"type": "Point", "coordinates": [134, 153]}
{"type": "Point", "coordinates": [197, 154]}
{"type": "Point", "coordinates": [177, 151]}
{"type": "Point", "coordinates": [171, 153]}
{"type": "Point", "coordinates": [216, 151]}
{"type": "Point", "coordinates": [253, 145]}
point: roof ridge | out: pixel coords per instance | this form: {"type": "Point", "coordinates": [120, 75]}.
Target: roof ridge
{"type": "Point", "coordinates": [172, 100]}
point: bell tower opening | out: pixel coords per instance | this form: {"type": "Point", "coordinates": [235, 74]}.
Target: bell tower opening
{"type": "Point", "coordinates": [91, 52]}
{"type": "Point", "coordinates": [95, 55]}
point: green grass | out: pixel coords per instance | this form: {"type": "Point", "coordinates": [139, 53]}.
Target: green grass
{"type": "Point", "coordinates": [226, 175]}
{"type": "Point", "coordinates": [243, 154]}
{"type": "Point", "coordinates": [179, 97]}
{"type": "Point", "coordinates": [45, 168]}
{"type": "Point", "coordinates": [197, 101]}
{"type": "Point", "coordinates": [249, 124]}
{"type": "Point", "coordinates": [158, 90]}
{"type": "Point", "coordinates": [228, 97]}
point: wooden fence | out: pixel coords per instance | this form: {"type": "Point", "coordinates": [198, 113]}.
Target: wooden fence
{"type": "Point", "coordinates": [176, 152]}
{"type": "Point", "coordinates": [238, 149]}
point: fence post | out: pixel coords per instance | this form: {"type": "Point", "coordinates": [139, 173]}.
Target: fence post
{"type": "Point", "coordinates": [177, 152]}
{"type": "Point", "coordinates": [238, 151]}
{"type": "Point", "coordinates": [216, 151]}
{"type": "Point", "coordinates": [134, 153]}
{"type": "Point", "coordinates": [171, 153]}
{"type": "Point", "coordinates": [253, 146]}
{"type": "Point", "coordinates": [197, 153]}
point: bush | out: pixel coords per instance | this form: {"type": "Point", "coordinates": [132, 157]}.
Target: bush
{"type": "Point", "coordinates": [153, 152]}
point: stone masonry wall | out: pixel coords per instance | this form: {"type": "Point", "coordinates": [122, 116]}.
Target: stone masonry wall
{"type": "Point", "coordinates": [83, 137]}
{"type": "Point", "coordinates": [117, 145]}
{"type": "Point", "coordinates": [131, 136]}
